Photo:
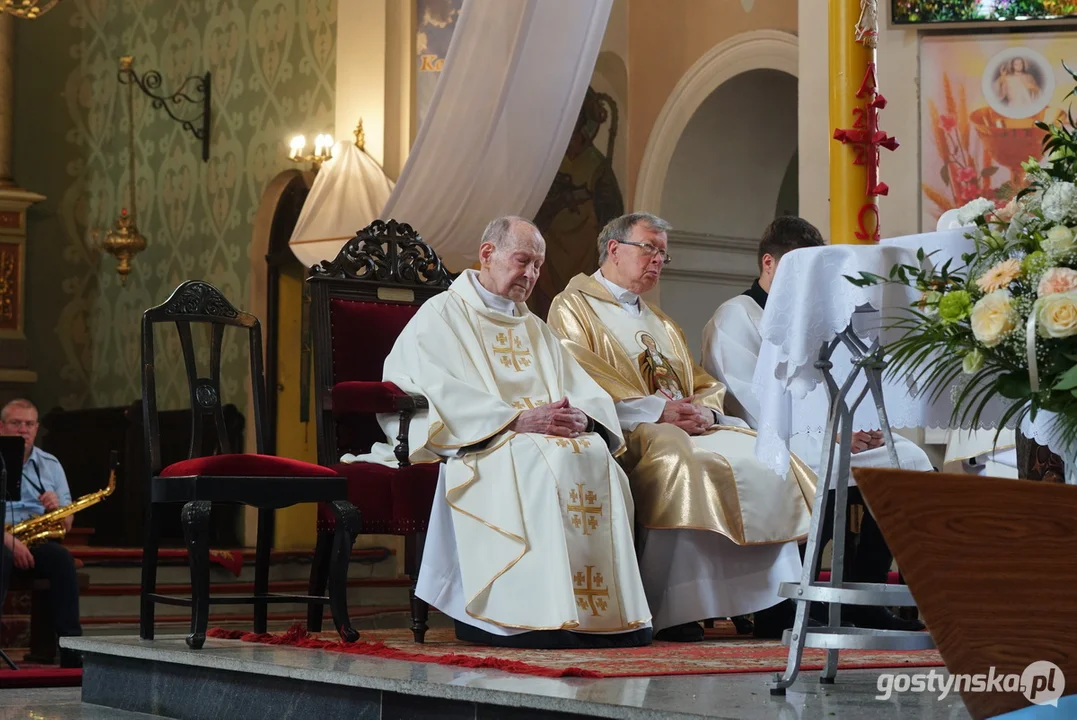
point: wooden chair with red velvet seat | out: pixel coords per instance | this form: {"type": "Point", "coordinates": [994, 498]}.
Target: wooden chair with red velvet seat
{"type": "Point", "coordinates": [258, 480]}
{"type": "Point", "coordinates": [360, 302]}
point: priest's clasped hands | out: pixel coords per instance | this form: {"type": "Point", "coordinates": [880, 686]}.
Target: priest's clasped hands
{"type": "Point", "coordinates": [559, 418]}
{"type": "Point", "coordinates": [867, 441]}
{"type": "Point", "coordinates": [693, 419]}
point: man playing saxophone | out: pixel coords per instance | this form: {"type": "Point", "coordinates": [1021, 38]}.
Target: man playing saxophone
{"type": "Point", "coordinates": [44, 488]}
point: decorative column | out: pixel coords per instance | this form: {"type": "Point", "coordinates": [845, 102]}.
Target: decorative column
{"type": "Point", "coordinates": [854, 112]}
{"type": "Point", "coordinates": [15, 374]}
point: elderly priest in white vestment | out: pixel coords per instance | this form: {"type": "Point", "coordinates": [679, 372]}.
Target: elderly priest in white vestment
{"type": "Point", "coordinates": [718, 530]}
{"type": "Point", "coordinates": [731, 342]}
{"type": "Point", "coordinates": [530, 542]}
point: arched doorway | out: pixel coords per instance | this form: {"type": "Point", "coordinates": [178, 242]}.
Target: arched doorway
{"type": "Point", "coordinates": [723, 186]}
{"type": "Point", "coordinates": [280, 299]}
{"type": "Point", "coordinates": [719, 165]}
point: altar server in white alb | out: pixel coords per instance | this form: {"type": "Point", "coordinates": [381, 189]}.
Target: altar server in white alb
{"type": "Point", "coordinates": [718, 530]}
{"type": "Point", "coordinates": [530, 539]}
{"type": "Point", "coordinates": [731, 342]}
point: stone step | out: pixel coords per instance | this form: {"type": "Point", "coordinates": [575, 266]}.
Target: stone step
{"type": "Point", "coordinates": [173, 623]}
{"type": "Point", "coordinates": [103, 601]}
{"type": "Point", "coordinates": [175, 574]}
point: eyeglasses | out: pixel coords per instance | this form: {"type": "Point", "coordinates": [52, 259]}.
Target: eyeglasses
{"type": "Point", "coordinates": [649, 250]}
{"type": "Point", "coordinates": [17, 424]}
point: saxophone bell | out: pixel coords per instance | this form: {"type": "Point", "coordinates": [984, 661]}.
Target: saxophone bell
{"type": "Point", "coordinates": [50, 526]}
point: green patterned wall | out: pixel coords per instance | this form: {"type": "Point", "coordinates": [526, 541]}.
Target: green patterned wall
{"type": "Point", "coordinates": [273, 64]}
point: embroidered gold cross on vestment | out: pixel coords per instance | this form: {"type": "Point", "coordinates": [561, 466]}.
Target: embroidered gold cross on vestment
{"type": "Point", "coordinates": [584, 508]}
{"type": "Point", "coordinates": [590, 595]}
{"type": "Point", "coordinates": [512, 351]}
{"type": "Point", "coordinates": [574, 443]}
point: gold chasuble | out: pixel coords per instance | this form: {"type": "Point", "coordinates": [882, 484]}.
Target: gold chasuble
{"type": "Point", "coordinates": [706, 482]}
{"type": "Point", "coordinates": [543, 524]}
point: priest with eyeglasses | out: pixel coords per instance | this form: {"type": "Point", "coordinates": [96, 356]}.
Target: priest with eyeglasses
{"type": "Point", "coordinates": [717, 530]}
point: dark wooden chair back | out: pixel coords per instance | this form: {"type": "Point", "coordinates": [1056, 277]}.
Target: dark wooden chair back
{"type": "Point", "coordinates": [360, 302]}
{"type": "Point", "coordinates": [193, 304]}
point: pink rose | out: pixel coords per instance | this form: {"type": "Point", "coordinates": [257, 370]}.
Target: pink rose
{"type": "Point", "coordinates": [1057, 280]}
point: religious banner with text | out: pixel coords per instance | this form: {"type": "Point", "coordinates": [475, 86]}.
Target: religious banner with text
{"type": "Point", "coordinates": [435, 21]}
{"type": "Point", "coordinates": [980, 97]}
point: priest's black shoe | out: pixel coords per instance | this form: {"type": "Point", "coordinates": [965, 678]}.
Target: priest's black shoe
{"type": "Point", "coordinates": [688, 632]}
{"type": "Point", "coordinates": [772, 622]}
{"type": "Point", "coordinates": [743, 624]}
{"type": "Point", "coordinates": [878, 618]}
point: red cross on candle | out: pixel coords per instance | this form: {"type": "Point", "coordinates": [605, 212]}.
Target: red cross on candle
{"type": "Point", "coordinates": [865, 135]}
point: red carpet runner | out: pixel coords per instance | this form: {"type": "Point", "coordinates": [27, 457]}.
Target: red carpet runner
{"type": "Point", "coordinates": [39, 676]}
{"type": "Point", "coordinates": [720, 653]}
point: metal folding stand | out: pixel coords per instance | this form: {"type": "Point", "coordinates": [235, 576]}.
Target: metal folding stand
{"type": "Point", "coordinates": [837, 449]}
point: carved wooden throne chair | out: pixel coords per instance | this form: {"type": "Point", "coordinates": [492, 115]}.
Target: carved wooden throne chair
{"type": "Point", "coordinates": [360, 302]}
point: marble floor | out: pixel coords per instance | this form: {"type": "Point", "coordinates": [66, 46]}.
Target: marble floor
{"type": "Point", "coordinates": [56, 704]}
{"type": "Point", "coordinates": [430, 686]}
{"type": "Point", "coordinates": [728, 696]}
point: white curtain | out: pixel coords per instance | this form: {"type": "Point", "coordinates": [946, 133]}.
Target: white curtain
{"type": "Point", "coordinates": [494, 135]}
{"type": "Point", "coordinates": [500, 119]}
{"type": "Point", "coordinates": [347, 194]}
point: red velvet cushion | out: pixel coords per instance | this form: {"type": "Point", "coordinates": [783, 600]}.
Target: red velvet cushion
{"type": "Point", "coordinates": [356, 397]}
{"type": "Point", "coordinates": [390, 500]}
{"type": "Point", "coordinates": [246, 465]}
{"type": "Point", "coordinates": [363, 334]}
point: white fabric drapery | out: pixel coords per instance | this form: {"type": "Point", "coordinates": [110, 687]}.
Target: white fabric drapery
{"type": "Point", "coordinates": [494, 135]}
{"type": "Point", "coordinates": [500, 119]}
{"type": "Point", "coordinates": [347, 194]}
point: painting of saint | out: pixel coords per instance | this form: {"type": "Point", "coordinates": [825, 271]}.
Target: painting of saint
{"type": "Point", "coordinates": [584, 196]}
{"type": "Point", "coordinates": [981, 97]}
{"type": "Point", "coordinates": [1015, 85]}
{"type": "Point", "coordinates": [657, 370]}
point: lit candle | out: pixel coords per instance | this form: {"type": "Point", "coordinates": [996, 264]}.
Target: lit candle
{"type": "Point", "coordinates": [298, 143]}
{"type": "Point", "coordinates": [322, 144]}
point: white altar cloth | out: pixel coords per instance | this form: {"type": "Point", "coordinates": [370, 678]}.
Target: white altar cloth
{"type": "Point", "coordinates": [800, 317]}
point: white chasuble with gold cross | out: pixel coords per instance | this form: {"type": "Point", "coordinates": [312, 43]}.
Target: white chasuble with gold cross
{"type": "Point", "coordinates": [528, 532]}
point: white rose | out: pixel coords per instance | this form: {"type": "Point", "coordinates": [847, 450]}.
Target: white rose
{"type": "Point", "coordinates": [974, 210]}
{"type": "Point", "coordinates": [1058, 240]}
{"type": "Point", "coordinates": [1056, 314]}
{"type": "Point", "coordinates": [993, 317]}
{"type": "Point", "coordinates": [1060, 201]}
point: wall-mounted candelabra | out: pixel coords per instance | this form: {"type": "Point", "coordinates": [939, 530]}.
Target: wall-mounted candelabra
{"type": "Point", "coordinates": [323, 150]}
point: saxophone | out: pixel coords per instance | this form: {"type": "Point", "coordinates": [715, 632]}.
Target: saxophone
{"type": "Point", "coordinates": [50, 526]}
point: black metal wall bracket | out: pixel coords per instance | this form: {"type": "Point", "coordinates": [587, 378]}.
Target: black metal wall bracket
{"type": "Point", "coordinates": [195, 90]}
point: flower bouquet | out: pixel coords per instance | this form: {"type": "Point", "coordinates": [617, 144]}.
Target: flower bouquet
{"type": "Point", "coordinates": [1005, 324]}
